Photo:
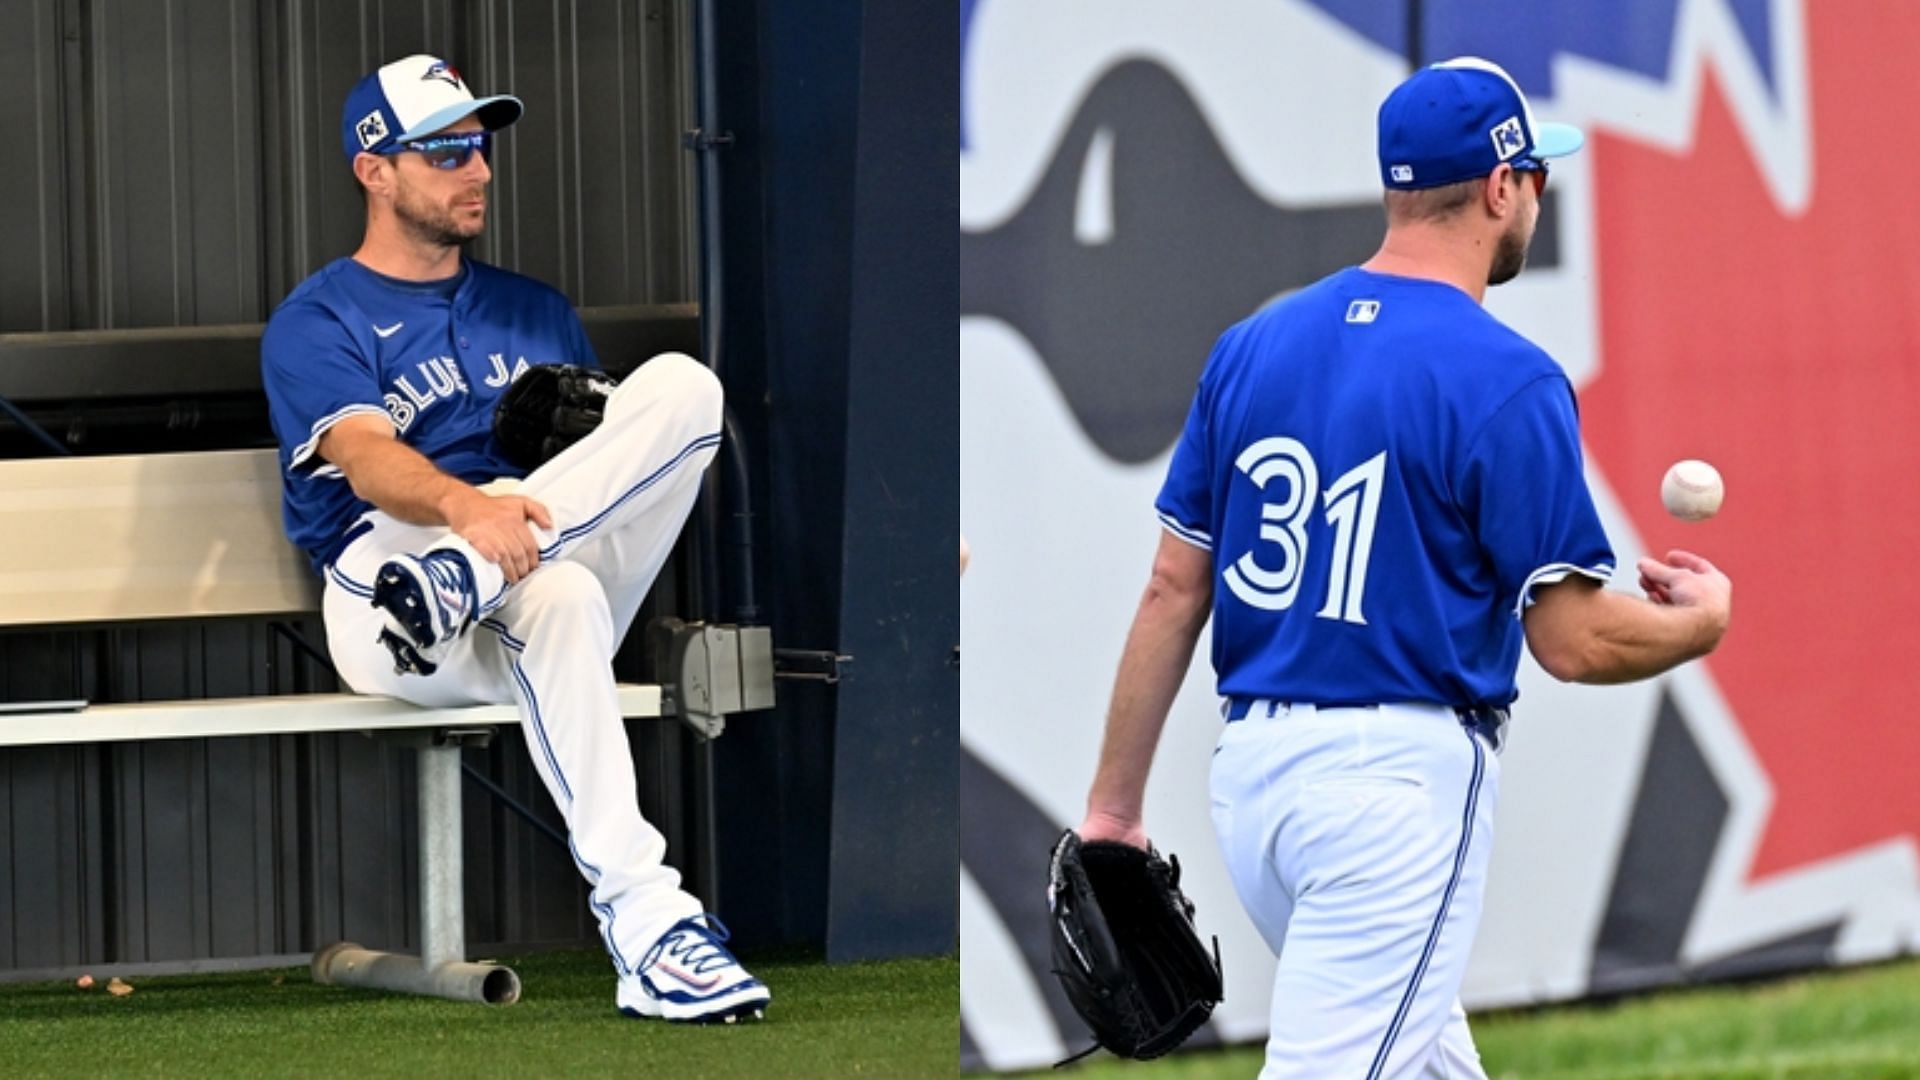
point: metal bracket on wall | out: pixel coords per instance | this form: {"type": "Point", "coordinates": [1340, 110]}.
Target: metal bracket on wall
{"type": "Point", "coordinates": [709, 671]}
{"type": "Point", "coordinates": [699, 141]}
{"type": "Point", "coordinates": [813, 665]}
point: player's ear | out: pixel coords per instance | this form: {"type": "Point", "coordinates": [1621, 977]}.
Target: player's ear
{"type": "Point", "coordinates": [1502, 196]}
{"type": "Point", "coordinates": [373, 172]}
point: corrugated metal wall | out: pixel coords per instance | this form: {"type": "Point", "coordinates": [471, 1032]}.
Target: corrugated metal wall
{"type": "Point", "coordinates": [178, 163]}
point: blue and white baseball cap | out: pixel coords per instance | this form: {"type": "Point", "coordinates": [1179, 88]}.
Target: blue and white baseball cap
{"type": "Point", "coordinates": [1456, 120]}
{"type": "Point", "coordinates": [413, 97]}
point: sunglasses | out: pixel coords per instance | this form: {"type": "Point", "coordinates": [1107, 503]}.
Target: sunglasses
{"type": "Point", "coordinates": [1535, 169]}
{"type": "Point", "coordinates": [450, 151]}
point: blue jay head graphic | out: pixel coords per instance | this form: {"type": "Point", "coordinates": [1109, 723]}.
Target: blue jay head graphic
{"type": "Point", "coordinates": [444, 72]}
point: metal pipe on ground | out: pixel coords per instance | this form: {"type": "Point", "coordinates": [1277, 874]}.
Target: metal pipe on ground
{"type": "Point", "coordinates": [347, 964]}
{"type": "Point", "coordinates": [440, 970]}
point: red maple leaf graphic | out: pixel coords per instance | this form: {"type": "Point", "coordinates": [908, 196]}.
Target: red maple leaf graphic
{"type": "Point", "coordinates": [1786, 350]}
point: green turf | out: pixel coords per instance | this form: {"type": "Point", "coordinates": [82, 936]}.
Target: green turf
{"type": "Point", "coordinates": [1861, 1024]}
{"type": "Point", "coordinates": [899, 1018]}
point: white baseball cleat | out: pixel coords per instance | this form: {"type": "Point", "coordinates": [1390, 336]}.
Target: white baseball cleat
{"type": "Point", "coordinates": [429, 600]}
{"type": "Point", "coordinates": [690, 977]}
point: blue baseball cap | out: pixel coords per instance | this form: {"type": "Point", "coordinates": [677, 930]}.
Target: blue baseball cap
{"type": "Point", "coordinates": [411, 98]}
{"type": "Point", "coordinates": [1457, 120]}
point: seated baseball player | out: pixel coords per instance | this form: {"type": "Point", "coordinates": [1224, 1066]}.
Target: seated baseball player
{"type": "Point", "coordinates": [455, 576]}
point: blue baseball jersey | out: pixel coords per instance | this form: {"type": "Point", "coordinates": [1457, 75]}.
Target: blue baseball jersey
{"type": "Point", "coordinates": [1383, 472]}
{"type": "Point", "coordinates": [432, 358]}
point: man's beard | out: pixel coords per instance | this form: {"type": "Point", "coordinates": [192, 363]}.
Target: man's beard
{"type": "Point", "coordinates": [1509, 255]}
{"type": "Point", "coordinates": [432, 224]}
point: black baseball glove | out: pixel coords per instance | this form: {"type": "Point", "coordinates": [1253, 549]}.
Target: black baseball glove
{"type": "Point", "coordinates": [1125, 948]}
{"type": "Point", "coordinates": [547, 409]}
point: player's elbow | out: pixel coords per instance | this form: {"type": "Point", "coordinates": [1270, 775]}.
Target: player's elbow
{"type": "Point", "coordinates": [1181, 584]}
{"type": "Point", "coordinates": [352, 446]}
{"type": "Point", "coordinates": [1568, 659]}
{"type": "Point", "coordinates": [1561, 628]}
{"type": "Point", "coordinates": [354, 468]}
{"type": "Point", "coordinates": [1176, 593]}
{"type": "Point", "coordinates": [1561, 633]}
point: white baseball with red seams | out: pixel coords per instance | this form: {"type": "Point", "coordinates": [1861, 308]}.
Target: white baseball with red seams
{"type": "Point", "coordinates": [1692, 490]}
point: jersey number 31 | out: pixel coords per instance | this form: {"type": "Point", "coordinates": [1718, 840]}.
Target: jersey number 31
{"type": "Point", "coordinates": [1353, 508]}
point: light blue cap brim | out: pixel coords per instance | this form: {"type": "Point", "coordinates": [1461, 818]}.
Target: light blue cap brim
{"type": "Point", "coordinates": [496, 112]}
{"type": "Point", "coordinates": [1557, 140]}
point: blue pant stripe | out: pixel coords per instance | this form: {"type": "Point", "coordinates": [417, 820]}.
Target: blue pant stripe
{"type": "Point", "coordinates": [506, 636]}
{"type": "Point", "coordinates": [593, 875]}
{"type": "Point", "coordinates": [592, 871]}
{"type": "Point", "coordinates": [1440, 917]}
{"type": "Point", "coordinates": [353, 588]}
{"type": "Point", "coordinates": [533, 709]}
{"type": "Point", "coordinates": [576, 532]}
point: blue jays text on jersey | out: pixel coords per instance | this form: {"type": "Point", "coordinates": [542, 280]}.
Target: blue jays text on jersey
{"type": "Point", "coordinates": [1370, 461]}
{"type": "Point", "coordinates": [432, 357]}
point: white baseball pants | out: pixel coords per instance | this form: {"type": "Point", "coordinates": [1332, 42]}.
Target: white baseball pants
{"type": "Point", "coordinates": [1358, 841]}
{"type": "Point", "coordinates": [618, 499]}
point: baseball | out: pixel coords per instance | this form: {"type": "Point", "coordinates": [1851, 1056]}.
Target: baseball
{"type": "Point", "coordinates": [1692, 490]}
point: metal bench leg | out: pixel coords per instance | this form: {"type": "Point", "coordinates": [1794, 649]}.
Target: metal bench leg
{"type": "Point", "coordinates": [443, 913]}
{"type": "Point", "coordinates": [705, 827]}
{"type": "Point", "coordinates": [441, 969]}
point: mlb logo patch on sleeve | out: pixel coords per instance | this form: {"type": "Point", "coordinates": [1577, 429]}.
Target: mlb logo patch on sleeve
{"type": "Point", "coordinates": [1363, 311]}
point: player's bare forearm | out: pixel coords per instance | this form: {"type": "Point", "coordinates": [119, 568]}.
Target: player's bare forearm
{"type": "Point", "coordinates": [1159, 648]}
{"type": "Point", "coordinates": [400, 481]}
{"type": "Point", "coordinates": [1631, 640]}
{"type": "Point", "coordinates": [1583, 633]}
{"type": "Point", "coordinates": [392, 475]}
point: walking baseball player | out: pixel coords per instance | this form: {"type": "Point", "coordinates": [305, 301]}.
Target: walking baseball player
{"type": "Point", "coordinates": [454, 577]}
{"type": "Point", "coordinates": [1377, 497]}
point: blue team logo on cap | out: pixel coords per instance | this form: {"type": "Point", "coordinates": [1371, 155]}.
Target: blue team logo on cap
{"type": "Point", "coordinates": [1508, 138]}
{"type": "Point", "coordinates": [444, 72]}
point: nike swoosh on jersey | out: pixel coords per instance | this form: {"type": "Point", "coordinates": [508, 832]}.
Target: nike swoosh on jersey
{"type": "Point", "coordinates": [388, 331]}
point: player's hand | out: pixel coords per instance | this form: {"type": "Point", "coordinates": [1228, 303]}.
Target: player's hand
{"type": "Point", "coordinates": [497, 527]}
{"type": "Point", "coordinates": [1100, 825]}
{"type": "Point", "coordinates": [1686, 580]}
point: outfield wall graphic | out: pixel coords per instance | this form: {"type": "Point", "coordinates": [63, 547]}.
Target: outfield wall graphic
{"type": "Point", "coordinates": [1727, 272]}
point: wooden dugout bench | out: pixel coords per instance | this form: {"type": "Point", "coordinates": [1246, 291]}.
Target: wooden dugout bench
{"type": "Point", "coordinates": [114, 539]}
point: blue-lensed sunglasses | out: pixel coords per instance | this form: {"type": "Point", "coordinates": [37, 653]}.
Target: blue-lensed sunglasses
{"type": "Point", "coordinates": [1537, 170]}
{"type": "Point", "coordinates": [450, 151]}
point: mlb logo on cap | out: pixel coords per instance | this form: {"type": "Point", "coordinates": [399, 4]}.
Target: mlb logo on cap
{"type": "Point", "coordinates": [411, 98]}
{"type": "Point", "coordinates": [1457, 120]}
{"type": "Point", "coordinates": [1509, 138]}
